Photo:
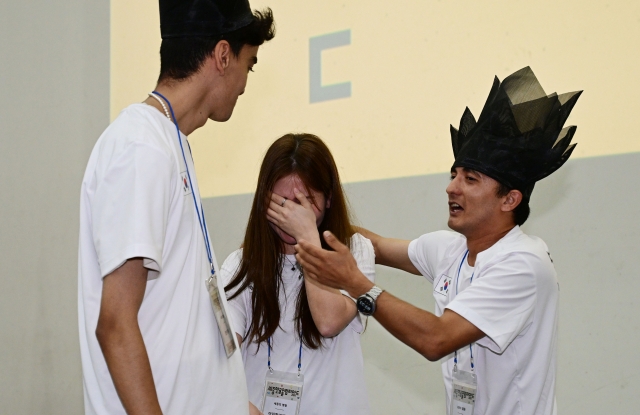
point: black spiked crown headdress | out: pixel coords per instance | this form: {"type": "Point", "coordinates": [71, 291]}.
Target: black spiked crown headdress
{"type": "Point", "coordinates": [519, 137]}
{"type": "Point", "coordinates": [186, 18]}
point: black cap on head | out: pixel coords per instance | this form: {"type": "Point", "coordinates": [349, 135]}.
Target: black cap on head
{"type": "Point", "coordinates": [519, 137]}
{"type": "Point", "coordinates": [183, 18]}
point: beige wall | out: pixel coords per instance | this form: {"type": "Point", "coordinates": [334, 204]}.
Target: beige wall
{"type": "Point", "coordinates": [412, 70]}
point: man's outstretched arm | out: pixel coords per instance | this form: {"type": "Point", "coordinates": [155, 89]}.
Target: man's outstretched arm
{"type": "Point", "coordinates": [431, 336]}
{"type": "Point", "coordinates": [390, 252]}
{"type": "Point", "coordinates": [121, 341]}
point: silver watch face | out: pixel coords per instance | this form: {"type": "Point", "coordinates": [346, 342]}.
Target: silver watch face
{"type": "Point", "coordinates": [366, 305]}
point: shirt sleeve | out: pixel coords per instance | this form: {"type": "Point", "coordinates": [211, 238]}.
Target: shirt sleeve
{"type": "Point", "coordinates": [426, 251]}
{"type": "Point", "coordinates": [363, 252]}
{"type": "Point", "coordinates": [131, 206]}
{"type": "Point", "coordinates": [237, 310]}
{"type": "Point", "coordinates": [501, 301]}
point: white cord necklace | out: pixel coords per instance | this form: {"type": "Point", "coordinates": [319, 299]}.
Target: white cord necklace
{"type": "Point", "coordinates": [164, 107]}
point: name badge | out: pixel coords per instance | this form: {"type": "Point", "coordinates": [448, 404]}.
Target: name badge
{"type": "Point", "coordinates": [282, 393]}
{"type": "Point", "coordinates": [463, 398]}
{"type": "Point", "coordinates": [221, 315]}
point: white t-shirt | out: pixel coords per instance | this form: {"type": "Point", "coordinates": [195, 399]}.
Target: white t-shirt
{"type": "Point", "coordinates": [513, 299]}
{"type": "Point", "coordinates": [136, 202]}
{"type": "Point", "coordinates": [334, 381]}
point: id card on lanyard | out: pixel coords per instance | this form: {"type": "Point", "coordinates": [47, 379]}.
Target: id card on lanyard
{"type": "Point", "coordinates": [282, 390]}
{"type": "Point", "coordinates": [463, 397]}
{"type": "Point", "coordinates": [282, 393]}
{"type": "Point", "coordinates": [464, 383]}
{"type": "Point", "coordinates": [211, 281]}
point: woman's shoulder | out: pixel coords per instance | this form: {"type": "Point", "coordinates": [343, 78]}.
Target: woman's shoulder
{"type": "Point", "coordinates": [361, 246]}
{"type": "Point", "coordinates": [230, 266]}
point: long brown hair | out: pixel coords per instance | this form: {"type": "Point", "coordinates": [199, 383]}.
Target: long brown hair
{"type": "Point", "coordinates": [306, 156]}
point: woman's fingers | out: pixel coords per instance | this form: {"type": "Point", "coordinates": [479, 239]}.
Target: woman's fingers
{"type": "Point", "coordinates": [273, 216]}
{"type": "Point", "coordinates": [276, 198]}
{"type": "Point", "coordinates": [302, 199]}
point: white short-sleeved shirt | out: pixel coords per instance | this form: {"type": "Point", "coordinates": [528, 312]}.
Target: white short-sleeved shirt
{"type": "Point", "coordinates": [136, 201]}
{"type": "Point", "coordinates": [511, 294]}
{"type": "Point", "coordinates": [333, 375]}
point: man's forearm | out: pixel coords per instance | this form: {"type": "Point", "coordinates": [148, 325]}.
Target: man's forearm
{"type": "Point", "coordinates": [128, 363]}
{"type": "Point", "coordinates": [390, 252]}
{"type": "Point", "coordinates": [120, 339]}
{"type": "Point", "coordinates": [431, 336]}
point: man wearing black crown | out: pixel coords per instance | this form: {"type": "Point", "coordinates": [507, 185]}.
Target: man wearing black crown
{"type": "Point", "coordinates": [154, 335]}
{"type": "Point", "coordinates": [496, 292]}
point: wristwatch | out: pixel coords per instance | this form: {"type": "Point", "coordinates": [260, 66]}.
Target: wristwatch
{"type": "Point", "coordinates": [366, 303]}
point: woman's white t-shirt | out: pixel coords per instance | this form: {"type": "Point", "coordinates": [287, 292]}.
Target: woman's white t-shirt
{"type": "Point", "coordinates": [334, 374]}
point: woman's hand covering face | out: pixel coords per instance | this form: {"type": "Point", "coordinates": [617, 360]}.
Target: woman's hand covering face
{"type": "Point", "coordinates": [298, 218]}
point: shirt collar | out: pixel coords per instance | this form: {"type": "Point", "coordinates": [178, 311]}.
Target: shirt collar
{"type": "Point", "coordinates": [514, 233]}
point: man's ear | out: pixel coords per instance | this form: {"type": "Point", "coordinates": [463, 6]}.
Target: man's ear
{"type": "Point", "coordinates": [221, 56]}
{"type": "Point", "coordinates": [511, 200]}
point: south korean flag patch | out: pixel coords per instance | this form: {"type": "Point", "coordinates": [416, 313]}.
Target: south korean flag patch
{"type": "Point", "coordinates": [184, 183]}
{"type": "Point", "coordinates": [443, 285]}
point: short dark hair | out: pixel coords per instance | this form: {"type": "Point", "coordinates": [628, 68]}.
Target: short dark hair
{"type": "Point", "coordinates": [181, 57]}
{"type": "Point", "coordinates": [522, 211]}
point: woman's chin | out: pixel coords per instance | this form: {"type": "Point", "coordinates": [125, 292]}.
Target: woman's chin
{"type": "Point", "coordinates": [285, 237]}
{"type": "Point", "coordinates": [288, 240]}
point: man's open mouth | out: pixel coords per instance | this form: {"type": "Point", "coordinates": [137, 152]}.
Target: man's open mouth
{"type": "Point", "coordinates": [454, 207]}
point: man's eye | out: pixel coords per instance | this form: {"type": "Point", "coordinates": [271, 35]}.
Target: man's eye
{"type": "Point", "coordinates": [471, 179]}
{"type": "Point", "coordinates": [452, 177]}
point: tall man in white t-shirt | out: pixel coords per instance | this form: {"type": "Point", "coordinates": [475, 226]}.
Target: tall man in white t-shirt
{"type": "Point", "coordinates": [150, 341]}
{"type": "Point", "coordinates": [495, 323]}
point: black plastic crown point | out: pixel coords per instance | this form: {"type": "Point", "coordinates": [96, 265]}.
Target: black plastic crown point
{"type": "Point", "coordinates": [519, 137]}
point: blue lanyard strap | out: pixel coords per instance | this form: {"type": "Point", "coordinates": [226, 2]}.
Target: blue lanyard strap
{"type": "Point", "coordinates": [199, 211]}
{"type": "Point", "coordinates": [269, 355]}
{"type": "Point", "coordinates": [455, 356]}
{"type": "Point", "coordinates": [460, 267]}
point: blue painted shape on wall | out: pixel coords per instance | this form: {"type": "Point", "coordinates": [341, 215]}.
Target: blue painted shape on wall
{"type": "Point", "coordinates": [317, 91]}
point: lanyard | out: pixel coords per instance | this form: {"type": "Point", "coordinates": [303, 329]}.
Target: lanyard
{"type": "Point", "coordinates": [269, 355]}
{"type": "Point", "coordinates": [455, 356]}
{"type": "Point", "coordinates": [199, 210]}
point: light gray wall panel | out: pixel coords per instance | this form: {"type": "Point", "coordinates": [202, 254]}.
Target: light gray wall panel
{"type": "Point", "coordinates": [54, 103]}
{"type": "Point", "coordinates": [587, 213]}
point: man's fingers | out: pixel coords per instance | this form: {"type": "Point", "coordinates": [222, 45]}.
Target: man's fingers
{"type": "Point", "coordinates": [309, 254]}
{"type": "Point", "coordinates": [308, 273]}
{"type": "Point", "coordinates": [308, 267]}
{"type": "Point", "coordinates": [333, 242]}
